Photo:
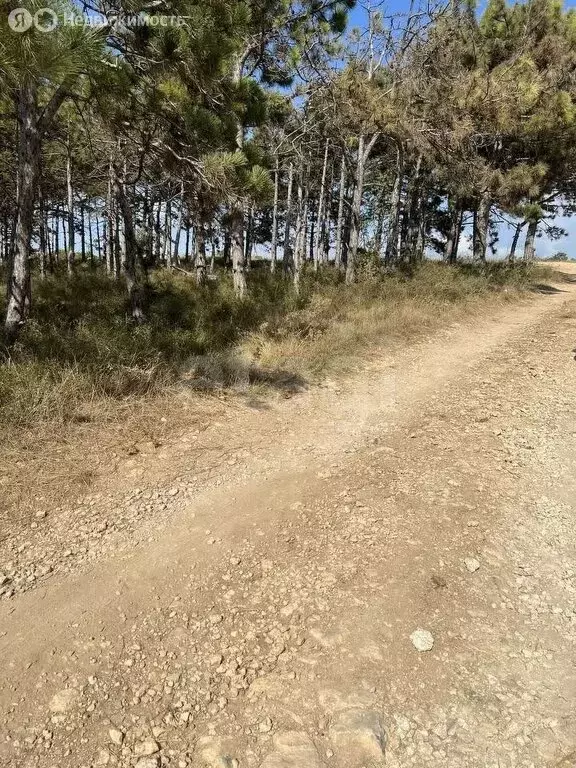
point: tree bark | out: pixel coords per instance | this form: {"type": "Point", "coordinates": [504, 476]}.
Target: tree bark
{"type": "Point", "coordinates": [29, 139]}
{"type": "Point", "coordinates": [237, 251]}
{"type": "Point", "coordinates": [70, 195]}
{"type": "Point", "coordinates": [364, 150]}
{"type": "Point", "coordinates": [129, 250]}
{"type": "Point", "coordinates": [167, 254]}
{"type": "Point", "coordinates": [43, 240]}
{"type": "Point", "coordinates": [90, 237]}
{"type": "Point", "coordinates": [327, 222]}
{"type": "Point", "coordinates": [82, 232]}
{"type": "Point", "coordinates": [300, 242]}
{"type": "Point", "coordinates": [274, 250]}
{"type": "Point", "coordinates": [529, 246]}
{"type": "Point", "coordinates": [249, 238]}
{"type": "Point", "coordinates": [481, 225]}
{"type": "Point", "coordinates": [287, 254]}
{"type": "Point", "coordinates": [200, 260]}
{"type": "Point", "coordinates": [176, 254]}
{"type": "Point", "coordinates": [453, 239]}
{"type": "Point", "coordinates": [340, 220]}
{"type": "Point", "coordinates": [391, 253]}
{"type": "Point", "coordinates": [514, 244]}
{"type": "Point", "coordinates": [109, 246]}
{"type": "Point", "coordinates": [56, 232]}
{"type": "Point", "coordinates": [321, 207]}
{"type": "Point", "coordinates": [411, 222]}
{"type": "Point", "coordinates": [157, 234]}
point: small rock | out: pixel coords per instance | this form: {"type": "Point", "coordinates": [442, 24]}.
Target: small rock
{"type": "Point", "coordinates": [146, 748]}
{"type": "Point", "coordinates": [148, 762]}
{"type": "Point", "coordinates": [471, 564]}
{"type": "Point", "coordinates": [265, 726]}
{"type": "Point", "coordinates": [116, 736]}
{"type": "Point", "coordinates": [64, 700]}
{"type": "Point", "coordinates": [293, 749]}
{"type": "Point", "coordinates": [215, 752]}
{"type": "Point", "coordinates": [103, 757]}
{"type": "Point", "coordinates": [422, 640]}
{"type": "Point", "coordinates": [359, 735]}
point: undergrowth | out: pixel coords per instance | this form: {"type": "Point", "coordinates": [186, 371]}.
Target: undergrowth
{"type": "Point", "coordinates": [78, 354]}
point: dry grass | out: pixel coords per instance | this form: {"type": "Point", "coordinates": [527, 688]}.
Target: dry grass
{"type": "Point", "coordinates": [341, 324]}
{"type": "Point", "coordinates": [67, 420]}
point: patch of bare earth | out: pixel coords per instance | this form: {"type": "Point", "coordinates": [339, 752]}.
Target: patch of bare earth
{"type": "Point", "coordinates": [256, 608]}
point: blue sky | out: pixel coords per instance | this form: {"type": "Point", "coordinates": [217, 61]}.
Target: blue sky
{"type": "Point", "coordinates": [544, 246]}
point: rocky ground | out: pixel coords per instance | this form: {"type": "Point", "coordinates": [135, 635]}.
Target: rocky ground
{"type": "Point", "coordinates": [378, 572]}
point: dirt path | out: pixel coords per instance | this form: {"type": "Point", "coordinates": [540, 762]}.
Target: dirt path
{"type": "Point", "coordinates": [251, 602]}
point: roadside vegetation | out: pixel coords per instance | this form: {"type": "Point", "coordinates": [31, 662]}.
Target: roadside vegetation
{"type": "Point", "coordinates": [77, 359]}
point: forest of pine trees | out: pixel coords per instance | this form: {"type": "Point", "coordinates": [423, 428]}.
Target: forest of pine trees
{"type": "Point", "coordinates": [270, 135]}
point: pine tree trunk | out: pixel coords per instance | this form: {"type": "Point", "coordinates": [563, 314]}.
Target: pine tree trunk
{"type": "Point", "coordinates": [327, 223]}
{"type": "Point", "coordinates": [300, 242]}
{"type": "Point", "coordinates": [187, 243]}
{"type": "Point", "coordinates": [288, 255]}
{"type": "Point", "coordinates": [481, 225]}
{"type": "Point", "coordinates": [18, 299]}
{"type": "Point", "coordinates": [157, 234]}
{"type": "Point", "coordinates": [49, 252]}
{"type": "Point", "coordinates": [420, 244]}
{"type": "Point", "coordinates": [453, 239]}
{"type": "Point", "coordinates": [56, 232]}
{"type": "Point", "coordinates": [249, 239]}
{"type": "Point", "coordinates": [70, 194]}
{"type": "Point", "coordinates": [200, 259]}
{"type": "Point", "coordinates": [529, 246]}
{"type": "Point", "coordinates": [237, 212]}
{"type": "Point", "coordinates": [82, 233]}
{"type": "Point", "coordinates": [90, 237]}
{"type": "Point", "coordinates": [274, 250]}
{"type": "Point", "coordinates": [227, 248]}
{"type": "Point", "coordinates": [356, 211]}
{"type": "Point", "coordinates": [117, 245]}
{"type": "Point", "coordinates": [237, 251]}
{"type": "Point", "coordinates": [340, 220]}
{"type": "Point", "coordinates": [167, 254]}
{"type": "Point", "coordinates": [212, 255]}
{"type": "Point", "coordinates": [514, 244]}
{"type": "Point", "coordinates": [42, 235]}
{"type": "Point", "coordinates": [320, 211]}
{"type": "Point", "coordinates": [130, 250]}
{"type": "Point", "coordinates": [412, 213]}
{"type": "Point", "coordinates": [176, 254]}
{"type": "Point", "coordinates": [379, 234]}
{"type": "Point", "coordinates": [391, 253]}
{"type": "Point", "coordinates": [98, 241]}
{"type": "Point", "coordinates": [109, 246]}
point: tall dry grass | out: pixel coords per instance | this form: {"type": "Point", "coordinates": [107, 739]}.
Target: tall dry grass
{"type": "Point", "coordinates": [78, 359]}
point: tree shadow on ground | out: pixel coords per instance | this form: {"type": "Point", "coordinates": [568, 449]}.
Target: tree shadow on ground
{"type": "Point", "coordinates": [546, 288]}
{"type": "Point", "coordinates": [209, 373]}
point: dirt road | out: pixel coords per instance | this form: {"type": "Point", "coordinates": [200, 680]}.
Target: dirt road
{"type": "Point", "coordinates": [248, 596]}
